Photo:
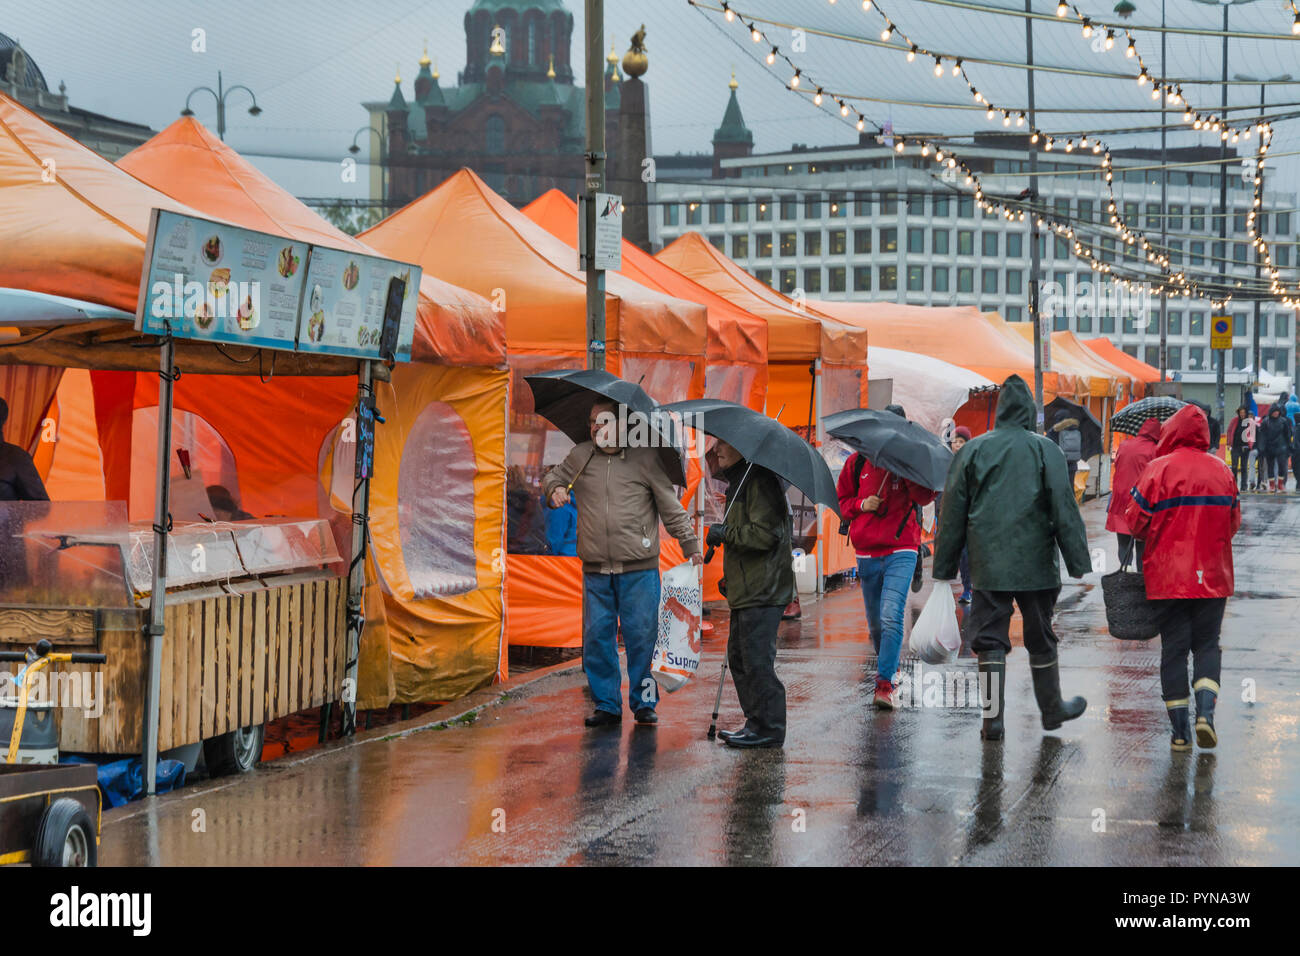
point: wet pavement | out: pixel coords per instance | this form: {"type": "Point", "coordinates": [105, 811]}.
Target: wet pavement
{"type": "Point", "coordinates": [526, 783]}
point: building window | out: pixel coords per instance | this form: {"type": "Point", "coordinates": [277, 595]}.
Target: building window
{"type": "Point", "coordinates": [916, 204]}
{"type": "Point", "coordinates": [989, 280]}
{"type": "Point", "coordinates": [888, 278]}
{"type": "Point", "coordinates": [966, 207]}
{"type": "Point", "coordinates": [1283, 223]}
{"type": "Point", "coordinates": [740, 210]}
{"type": "Point", "coordinates": [838, 246]}
{"type": "Point", "coordinates": [862, 278]}
{"type": "Point", "coordinates": [1013, 313]}
{"type": "Point", "coordinates": [1196, 253]}
{"type": "Point", "coordinates": [839, 206]}
{"type": "Point", "coordinates": [965, 242]}
{"type": "Point", "coordinates": [1107, 249]}
{"type": "Point", "coordinates": [1238, 358]}
{"type": "Point", "coordinates": [1175, 217]}
{"type": "Point", "coordinates": [1152, 356]}
{"type": "Point", "coordinates": [1238, 325]}
{"type": "Point", "coordinates": [1176, 252]}
{"type": "Point", "coordinates": [915, 278]}
{"type": "Point", "coordinates": [1153, 215]}
{"type": "Point", "coordinates": [765, 245]}
{"type": "Point", "coordinates": [1062, 208]}
{"type": "Point", "coordinates": [1042, 246]}
{"type": "Point", "coordinates": [862, 204]}
{"type": "Point", "coordinates": [940, 240]}
{"type": "Point", "coordinates": [862, 242]}
{"type": "Point", "coordinates": [1197, 218]}
{"type": "Point", "coordinates": [812, 280]}
{"type": "Point", "coordinates": [719, 242]}
{"type": "Point", "coordinates": [941, 207]}
{"type": "Point", "coordinates": [1107, 324]}
{"type": "Point", "coordinates": [1195, 359]}
{"type": "Point", "coordinates": [1282, 254]}
{"type": "Point", "coordinates": [1131, 214]}
{"type": "Point", "coordinates": [717, 211]}
{"type": "Point", "coordinates": [1015, 280]}
{"type": "Point", "coordinates": [989, 243]}
{"type": "Point", "coordinates": [1015, 245]}
{"type": "Point", "coordinates": [740, 246]}
{"type": "Point", "coordinates": [495, 131]}
{"type": "Point", "coordinates": [789, 208]}
{"type": "Point", "coordinates": [789, 244]}
{"type": "Point", "coordinates": [788, 279]}
{"type": "Point", "coordinates": [1060, 322]}
{"type": "Point", "coordinates": [764, 211]}
{"type": "Point", "coordinates": [672, 214]}
{"type": "Point", "coordinates": [812, 243]}
{"type": "Point", "coordinates": [694, 214]}
{"type": "Point", "coordinates": [1239, 252]}
{"type": "Point", "coordinates": [1060, 247]}
{"type": "Point", "coordinates": [915, 239]}
{"type": "Point", "coordinates": [965, 279]}
{"type": "Point", "coordinates": [812, 207]}
{"type": "Point", "coordinates": [835, 279]}
{"type": "Point", "coordinates": [1239, 220]}
{"type": "Point", "coordinates": [1280, 324]}
{"type": "Point", "coordinates": [888, 240]}
{"type": "Point", "coordinates": [1130, 325]}
{"type": "Point", "coordinates": [939, 278]}
{"type": "Point", "coordinates": [889, 204]}
{"type": "Point", "coordinates": [1175, 323]}
{"type": "Point", "coordinates": [1085, 210]}
{"type": "Point", "coordinates": [1196, 323]}
{"type": "Point", "coordinates": [764, 276]}
{"type": "Point", "coordinates": [1084, 323]}
{"type": "Point", "coordinates": [1263, 326]}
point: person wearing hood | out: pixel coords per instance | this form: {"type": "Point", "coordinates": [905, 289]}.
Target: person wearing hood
{"type": "Point", "coordinates": [19, 479]}
{"type": "Point", "coordinates": [1008, 500]}
{"type": "Point", "coordinates": [1274, 436]}
{"type": "Point", "coordinates": [1293, 408]}
{"type": "Point", "coordinates": [1066, 434]}
{"type": "Point", "coordinates": [1132, 457]}
{"type": "Point", "coordinates": [885, 531]}
{"type": "Point", "coordinates": [1241, 439]}
{"type": "Point", "coordinates": [1185, 507]}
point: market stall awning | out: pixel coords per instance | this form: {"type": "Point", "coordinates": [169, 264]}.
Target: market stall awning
{"type": "Point", "coordinates": [930, 389]}
{"type": "Point", "coordinates": [1141, 371]}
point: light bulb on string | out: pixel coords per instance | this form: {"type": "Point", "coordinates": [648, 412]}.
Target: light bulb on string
{"type": "Point", "coordinates": [1062, 9]}
{"type": "Point", "coordinates": [794, 80]}
{"type": "Point", "coordinates": [956, 68]}
{"type": "Point", "coordinates": [888, 32]}
{"type": "Point", "coordinates": [817, 99]}
{"type": "Point", "coordinates": [755, 35]}
{"type": "Point", "coordinates": [911, 54]}
{"type": "Point", "coordinates": [938, 66]}
{"type": "Point", "coordinates": [1132, 50]}
{"type": "Point", "coordinates": [1110, 39]}
{"type": "Point", "coordinates": [866, 5]}
{"type": "Point", "coordinates": [728, 13]}
{"type": "Point", "coordinates": [771, 57]}
{"type": "Point", "coordinates": [1087, 28]}
{"type": "Point", "coordinates": [1020, 119]}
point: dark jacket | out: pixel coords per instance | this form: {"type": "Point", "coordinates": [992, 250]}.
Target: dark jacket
{"type": "Point", "coordinates": [756, 558]}
{"type": "Point", "coordinates": [1008, 501]}
{"type": "Point", "coordinates": [1274, 435]}
{"type": "Point", "coordinates": [19, 479]}
{"type": "Point", "coordinates": [1131, 460]}
{"type": "Point", "coordinates": [1067, 436]}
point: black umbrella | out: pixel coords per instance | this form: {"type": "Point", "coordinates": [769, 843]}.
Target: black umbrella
{"type": "Point", "coordinates": [1129, 419]}
{"type": "Point", "coordinates": [564, 398]}
{"type": "Point", "coordinates": [1089, 427]}
{"type": "Point", "coordinates": [762, 441]}
{"type": "Point", "coordinates": [893, 443]}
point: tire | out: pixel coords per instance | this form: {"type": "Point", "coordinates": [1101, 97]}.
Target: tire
{"type": "Point", "coordinates": [235, 752]}
{"type": "Point", "coordinates": [65, 836]}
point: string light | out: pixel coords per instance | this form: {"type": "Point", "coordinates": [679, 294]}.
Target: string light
{"type": "Point", "coordinates": [1062, 9]}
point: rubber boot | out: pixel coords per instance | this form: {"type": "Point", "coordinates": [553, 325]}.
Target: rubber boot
{"type": "Point", "coordinates": [1047, 691]}
{"type": "Point", "coordinates": [993, 692]}
{"type": "Point", "coordinates": [1180, 721]}
{"type": "Point", "coordinates": [1207, 693]}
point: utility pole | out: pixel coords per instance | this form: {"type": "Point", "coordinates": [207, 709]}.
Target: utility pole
{"type": "Point", "coordinates": [1223, 218]}
{"type": "Point", "coordinates": [595, 178]}
{"type": "Point", "coordinates": [1164, 201]}
{"type": "Point", "coordinates": [1255, 362]}
{"type": "Point", "coordinates": [1033, 231]}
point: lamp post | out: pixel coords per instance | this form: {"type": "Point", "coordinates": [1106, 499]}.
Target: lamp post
{"type": "Point", "coordinates": [1255, 362]}
{"type": "Point", "coordinates": [383, 156]}
{"type": "Point", "coordinates": [220, 94]}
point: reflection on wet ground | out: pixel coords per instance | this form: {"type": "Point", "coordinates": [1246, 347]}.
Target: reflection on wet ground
{"type": "Point", "coordinates": [527, 783]}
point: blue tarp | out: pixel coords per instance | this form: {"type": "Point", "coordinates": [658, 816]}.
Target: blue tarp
{"type": "Point", "coordinates": [122, 781]}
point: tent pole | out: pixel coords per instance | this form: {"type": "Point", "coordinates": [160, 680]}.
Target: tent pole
{"type": "Point", "coordinates": [357, 566]}
{"type": "Point", "coordinates": [154, 631]}
{"type": "Point", "coordinates": [819, 439]}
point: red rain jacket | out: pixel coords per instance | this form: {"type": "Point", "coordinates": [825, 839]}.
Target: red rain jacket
{"type": "Point", "coordinates": [875, 533]}
{"type": "Point", "coordinates": [1131, 458]}
{"type": "Point", "coordinates": [1185, 507]}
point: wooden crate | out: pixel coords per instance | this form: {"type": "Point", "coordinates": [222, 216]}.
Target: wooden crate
{"type": "Point", "coordinates": [227, 662]}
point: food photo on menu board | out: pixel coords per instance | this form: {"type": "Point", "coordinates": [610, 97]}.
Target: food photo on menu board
{"type": "Point", "coordinates": [210, 280]}
{"type": "Point", "coordinates": [343, 313]}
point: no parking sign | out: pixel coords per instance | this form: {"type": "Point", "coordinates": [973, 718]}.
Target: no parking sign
{"type": "Point", "coordinates": [1221, 332]}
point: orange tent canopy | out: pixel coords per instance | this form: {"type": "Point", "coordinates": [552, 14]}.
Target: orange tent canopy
{"type": "Point", "coordinates": [1139, 370]}
{"type": "Point", "coordinates": [734, 334]}
{"type": "Point", "coordinates": [1100, 372]}
{"type": "Point", "coordinates": [455, 326]}
{"type": "Point", "coordinates": [465, 233]}
{"type": "Point", "coordinates": [793, 335]}
{"type": "Point", "coordinates": [956, 334]}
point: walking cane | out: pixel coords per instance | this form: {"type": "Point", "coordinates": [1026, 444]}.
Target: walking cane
{"type": "Point", "coordinates": [722, 677]}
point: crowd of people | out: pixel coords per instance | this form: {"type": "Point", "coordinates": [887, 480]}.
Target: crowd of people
{"type": "Point", "coordinates": [1260, 445]}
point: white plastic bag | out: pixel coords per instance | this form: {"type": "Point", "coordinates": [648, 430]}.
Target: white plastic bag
{"type": "Point", "coordinates": [677, 647]}
{"type": "Point", "coordinates": [936, 637]}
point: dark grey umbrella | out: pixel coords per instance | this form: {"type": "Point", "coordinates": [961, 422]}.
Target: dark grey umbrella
{"type": "Point", "coordinates": [762, 441]}
{"type": "Point", "coordinates": [1129, 419]}
{"type": "Point", "coordinates": [564, 398]}
{"type": "Point", "coordinates": [1089, 427]}
{"type": "Point", "coordinates": [891, 442]}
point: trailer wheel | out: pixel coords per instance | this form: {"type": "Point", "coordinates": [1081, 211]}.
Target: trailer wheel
{"type": "Point", "coordinates": [65, 836]}
{"type": "Point", "coordinates": [235, 752]}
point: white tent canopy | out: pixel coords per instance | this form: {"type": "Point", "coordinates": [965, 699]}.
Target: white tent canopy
{"type": "Point", "coordinates": [929, 389]}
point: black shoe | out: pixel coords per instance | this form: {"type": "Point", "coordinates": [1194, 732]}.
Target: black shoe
{"type": "Point", "coordinates": [1047, 691]}
{"type": "Point", "coordinates": [603, 718]}
{"type": "Point", "coordinates": [993, 692]}
{"type": "Point", "coordinates": [647, 716]}
{"type": "Point", "coordinates": [1181, 739]}
{"type": "Point", "coordinates": [750, 741]}
{"type": "Point", "coordinates": [725, 735]}
{"type": "Point", "coordinates": [1207, 693]}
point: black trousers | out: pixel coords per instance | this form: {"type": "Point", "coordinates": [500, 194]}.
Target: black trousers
{"type": "Point", "coordinates": [1189, 625]}
{"type": "Point", "coordinates": [751, 655]}
{"type": "Point", "coordinates": [1127, 541]}
{"type": "Point", "coordinates": [990, 617]}
{"type": "Point", "coordinates": [1240, 458]}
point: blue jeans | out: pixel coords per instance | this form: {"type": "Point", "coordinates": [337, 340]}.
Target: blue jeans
{"type": "Point", "coordinates": [885, 583]}
{"type": "Point", "coordinates": [630, 599]}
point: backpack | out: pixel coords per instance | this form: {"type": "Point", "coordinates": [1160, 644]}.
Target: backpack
{"type": "Point", "coordinates": [1071, 444]}
{"type": "Point", "coordinates": [859, 462]}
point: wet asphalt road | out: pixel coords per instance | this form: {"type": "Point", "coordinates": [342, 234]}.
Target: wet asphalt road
{"type": "Point", "coordinates": [527, 784]}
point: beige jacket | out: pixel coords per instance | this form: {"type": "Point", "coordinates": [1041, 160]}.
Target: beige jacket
{"type": "Point", "coordinates": [621, 499]}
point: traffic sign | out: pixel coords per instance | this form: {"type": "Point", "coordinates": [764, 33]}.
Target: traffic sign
{"type": "Point", "coordinates": [1221, 332]}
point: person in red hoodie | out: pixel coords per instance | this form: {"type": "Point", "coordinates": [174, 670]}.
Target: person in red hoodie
{"type": "Point", "coordinates": [1185, 507]}
{"type": "Point", "coordinates": [885, 530]}
{"type": "Point", "coordinates": [1132, 456]}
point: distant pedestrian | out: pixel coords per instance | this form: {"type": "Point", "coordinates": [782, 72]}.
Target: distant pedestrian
{"type": "Point", "coordinates": [1241, 439]}
{"type": "Point", "coordinates": [19, 479]}
{"type": "Point", "coordinates": [622, 495]}
{"type": "Point", "coordinates": [960, 437]}
{"type": "Point", "coordinates": [1066, 434]}
{"type": "Point", "coordinates": [1132, 457]}
{"type": "Point", "coordinates": [1008, 499]}
{"type": "Point", "coordinates": [1274, 437]}
{"type": "Point", "coordinates": [884, 513]}
{"type": "Point", "coordinates": [1185, 507]}
{"type": "Point", "coordinates": [758, 575]}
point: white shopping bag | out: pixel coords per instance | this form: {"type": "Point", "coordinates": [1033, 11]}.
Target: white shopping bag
{"type": "Point", "coordinates": [936, 638]}
{"type": "Point", "coordinates": [677, 648]}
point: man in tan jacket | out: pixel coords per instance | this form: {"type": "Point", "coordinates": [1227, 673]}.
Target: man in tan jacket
{"type": "Point", "coordinates": [622, 494]}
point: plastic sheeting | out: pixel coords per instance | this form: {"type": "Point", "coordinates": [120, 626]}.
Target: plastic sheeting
{"type": "Point", "coordinates": [28, 390]}
{"type": "Point", "coordinates": [929, 389]}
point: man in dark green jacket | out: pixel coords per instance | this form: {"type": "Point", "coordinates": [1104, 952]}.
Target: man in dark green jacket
{"type": "Point", "coordinates": [1008, 501]}
{"type": "Point", "coordinates": [759, 576]}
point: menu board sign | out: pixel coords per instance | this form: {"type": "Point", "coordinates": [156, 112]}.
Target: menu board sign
{"type": "Point", "coordinates": [343, 304]}
{"type": "Point", "coordinates": [213, 282]}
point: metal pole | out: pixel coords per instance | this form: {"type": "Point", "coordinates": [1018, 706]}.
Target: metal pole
{"type": "Point", "coordinates": [154, 632]}
{"type": "Point", "coordinates": [1164, 202]}
{"type": "Point", "coordinates": [1255, 360]}
{"type": "Point", "coordinates": [595, 181]}
{"type": "Point", "coordinates": [819, 439]}
{"type": "Point", "coordinates": [221, 110]}
{"type": "Point", "coordinates": [1033, 231]}
{"type": "Point", "coordinates": [357, 569]}
{"type": "Point", "coordinates": [1223, 218]}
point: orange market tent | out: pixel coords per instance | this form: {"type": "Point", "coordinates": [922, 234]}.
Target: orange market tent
{"type": "Point", "coordinates": [1141, 373]}
{"type": "Point", "coordinates": [465, 233]}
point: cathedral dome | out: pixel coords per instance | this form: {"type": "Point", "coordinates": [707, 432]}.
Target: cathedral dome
{"type": "Point", "coordinates": [31, 76]}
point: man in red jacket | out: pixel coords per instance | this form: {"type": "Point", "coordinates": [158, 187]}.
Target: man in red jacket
{"type": "Point", "coordinates": [1185, 507]}
{"type": "Point", "coordinates": [1133, 455]}
{"type": "Point", "coordinates": [885, 530]}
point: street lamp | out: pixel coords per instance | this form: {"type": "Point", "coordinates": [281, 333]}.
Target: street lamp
{"type": "Point", "coordinates": [220, 94]}
{"type": "Point", "coordinates": [383, 150]}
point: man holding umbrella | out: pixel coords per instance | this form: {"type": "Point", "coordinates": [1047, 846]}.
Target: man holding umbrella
{"type": "Point", "coordinates": [1008, 500]}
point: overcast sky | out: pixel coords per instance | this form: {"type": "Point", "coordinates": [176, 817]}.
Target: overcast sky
{"type": "Point", "coordinates": [312, 64]}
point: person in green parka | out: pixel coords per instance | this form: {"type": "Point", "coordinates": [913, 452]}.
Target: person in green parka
{"type": "Point", "coordinates": [1009, 502]}
{"type": "Point", "coordinates": [759, 577]}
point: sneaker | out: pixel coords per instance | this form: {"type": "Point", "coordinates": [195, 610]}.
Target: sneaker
{"type": "Point", "coordinates": [965, 596]}
{"type": "Point", "coordinates": [886, 695]}
{"type": "Point", "coordinates": [792, 611]}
